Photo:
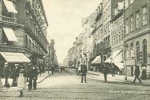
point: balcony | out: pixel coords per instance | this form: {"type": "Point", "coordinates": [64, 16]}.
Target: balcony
{"type": "Point", "coordinates": [8, 19]}
{"type": "Point", "coordinates": [106, 45]}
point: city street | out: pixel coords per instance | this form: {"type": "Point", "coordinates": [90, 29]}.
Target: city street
{"type": "Point", "coordinates": [67, 86]}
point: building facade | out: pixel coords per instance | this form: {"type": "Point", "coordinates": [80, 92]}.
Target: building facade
{"type": "Point", "coordinates": [117, 34]}
{"type": "Point", "coordinates": [137, 35]}
{"type": "Point", "coordinates": [23, 29]}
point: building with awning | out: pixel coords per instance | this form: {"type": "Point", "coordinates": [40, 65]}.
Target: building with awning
{"type": "Point", "coordinates": [116, 58]}
{"type": "Point", "coordinates": [97, 60]}
{"type": "Point", "coordinates": [12, 57]}
{"type": "Point", "coordinates": [10, 34]}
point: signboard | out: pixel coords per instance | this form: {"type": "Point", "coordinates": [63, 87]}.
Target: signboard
{"type": "Point", "coordinates": [130, 62]}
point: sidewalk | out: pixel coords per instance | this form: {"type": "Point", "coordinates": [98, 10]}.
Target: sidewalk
{"type": "Point", "coordinates": [120, 79]}
{"type": "Point", "coordinates": [41, 77]}
{"type": "Point", "coordinates": [116, 79]}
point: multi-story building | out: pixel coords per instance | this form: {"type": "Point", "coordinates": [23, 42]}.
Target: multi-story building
{"type": "Point", "coordinates": [107, 15]}
{"type": "Point", "coordinates": [137, 20]}
{"type": "Point", "coordinates": [97, 33]}
{"type": "Point", "coordinates": [87, 48]}
{"type": "Point", "coordinates": [22, 31]}
{"type": "Point", "coordinates": [117, 34]}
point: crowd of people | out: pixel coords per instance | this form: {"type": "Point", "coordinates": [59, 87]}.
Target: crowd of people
{"type": "Point", "coordinates": [21, 75]}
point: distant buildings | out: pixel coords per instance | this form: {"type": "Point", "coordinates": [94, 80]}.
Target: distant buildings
{"type": "Point", "coordinates": [120, 34]}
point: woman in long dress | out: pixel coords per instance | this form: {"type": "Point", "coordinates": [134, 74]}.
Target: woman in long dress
{"type": "Point", "coordinates": [0, 83]}
{"type": "Point", "coordinates": [21, 82]}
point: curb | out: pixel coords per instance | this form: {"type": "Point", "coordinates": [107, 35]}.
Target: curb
{"type": "Point", "coordinates": [43, 79]}
{"type": "Point", "coordinates": [93, 73]}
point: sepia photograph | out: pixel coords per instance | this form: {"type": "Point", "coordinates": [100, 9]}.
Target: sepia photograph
{"type": "Point", "coordinates": [74, 49]}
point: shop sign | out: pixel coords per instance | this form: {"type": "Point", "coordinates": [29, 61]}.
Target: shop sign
{"type": "Point", "coordinates": [130, 62]}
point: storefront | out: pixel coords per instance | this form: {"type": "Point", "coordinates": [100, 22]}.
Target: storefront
{"type": "Point", "coordinates": [12, 58]}
{"type": "Point", "coordinates": [129, 67]}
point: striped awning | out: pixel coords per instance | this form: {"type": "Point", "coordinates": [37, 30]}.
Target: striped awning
{"type": "Point", "coordinates": [14, 57]}
{"type": "Point", "coordinates": [10, 7]}
{"type": "Point", "coordinates": [10, 34]}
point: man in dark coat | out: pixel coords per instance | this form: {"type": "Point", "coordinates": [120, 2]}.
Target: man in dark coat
{"type": "Point", "coordinates": [83, 72]}
{"type": "Point", "coordinates": [105, 71]}
{"type": "Point", "coordinates": [137, 73]}
{"type": "Point", "coordinates": [15, 74]}
{"type": "Point", "coordinates": [7, 72]}
{"type": "Point", "coordinates": [33, 77]}
{"type": "Point", "coordinates": [52, 68]}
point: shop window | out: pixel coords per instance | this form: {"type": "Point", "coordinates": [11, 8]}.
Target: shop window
{"type": "Point", "coordinates": [138, 51]}
{"type": "Point", "coordinates": [144, 51]}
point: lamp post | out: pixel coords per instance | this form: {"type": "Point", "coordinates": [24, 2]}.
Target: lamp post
{"type": "Point", "coordinates": [124, 44]}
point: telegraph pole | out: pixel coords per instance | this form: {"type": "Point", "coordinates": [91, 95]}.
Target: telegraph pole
{"type": "Point", "coordinates": [124, 45]}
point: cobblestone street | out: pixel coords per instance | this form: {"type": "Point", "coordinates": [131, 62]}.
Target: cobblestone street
{"type": "Point", "coordinates": [64, 86]}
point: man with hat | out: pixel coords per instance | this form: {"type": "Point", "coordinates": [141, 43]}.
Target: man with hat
{"type": "Point", "coordinates": [33, 77]}
{"type": "Point", "coordinates": [83, 71]}
{"type": "Point", "coordinates": [15, 74]}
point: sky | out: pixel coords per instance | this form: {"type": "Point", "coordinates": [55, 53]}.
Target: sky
{"type": "Point", "coordinates": [65, 20]}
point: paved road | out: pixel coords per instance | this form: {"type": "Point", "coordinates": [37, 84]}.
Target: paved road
{"type": "Point", "coordinates": [64, 86]}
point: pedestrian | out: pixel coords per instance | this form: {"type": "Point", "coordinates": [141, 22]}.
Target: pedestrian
{"type": "Point", "coordinates": [137, 73]}
{"type": "Point", "coordinates": [0, 82]}
{"type": "Point", "coordinates": [33, 77]}
{"type": "Point", "coordinates": [7, 72]}
{"type": "Point", "coordinates": [27, 72]}
{"type": "Point", "coordinates": [15, 74]}
{"type": "Point", "coordinates": [83, 72]}
{"type": "Point", "coordinates": [112, 70]}
{"type": "Point", "coordinates": [105, 71]}
{"type": "Point", "coordinates": [52, 69]}
{"type": "Point", "coordinates": [144, 73]}
{"type": "Point", "coordinates": [21, 81]}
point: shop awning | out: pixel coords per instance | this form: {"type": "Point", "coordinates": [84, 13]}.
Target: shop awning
{"type": "Point", "coordinates": [14, 57]}
{"type": "Point", "coordinates": [10, 7]}
{"type": "Point", "coordinates": [117, 57]}
{"type": "Point", "coordinates": [97, 60]}
{"type": "Point", "coordinates": [115, 53]}
{"type": "Point", "coordinates": [119, 65]}
{"type": "Point", "coordinates": [10, 34]}
{"type": "Point", "coordinates": [108, 60]}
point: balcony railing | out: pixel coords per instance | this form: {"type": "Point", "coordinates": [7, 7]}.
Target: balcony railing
{"type": "Point", "coordinates": [8, 19]}
{"type": "Point", "coordinates": [106, 45]}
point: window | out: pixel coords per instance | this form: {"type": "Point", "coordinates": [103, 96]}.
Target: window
{"type": "Point", "coordinates": [126, 4]}
{"type": "Point", "coordinates": [132, 50]}
{"type": "Point", "coordinates": [132, 23]}
{"type": "Point", "coordinates": [144, 15]}
{"type": "Point", "coordinates": [127, 52]}
{"type": "Point", "coordinates": [138, 51]}
{"type": "Point", "coordinates": [137, 20]}
{"type": "Point", "coordinates": [144, 51]}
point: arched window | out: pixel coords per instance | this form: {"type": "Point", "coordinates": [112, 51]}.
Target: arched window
{"type": "Point", "coordinates": [132, 53]}
{"type": "Point", "coordinates": [144, 51]}
{"type": "Point", "coordinates": [127, 51]}
{"type": "Point", "coordinates": [138, 51]}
